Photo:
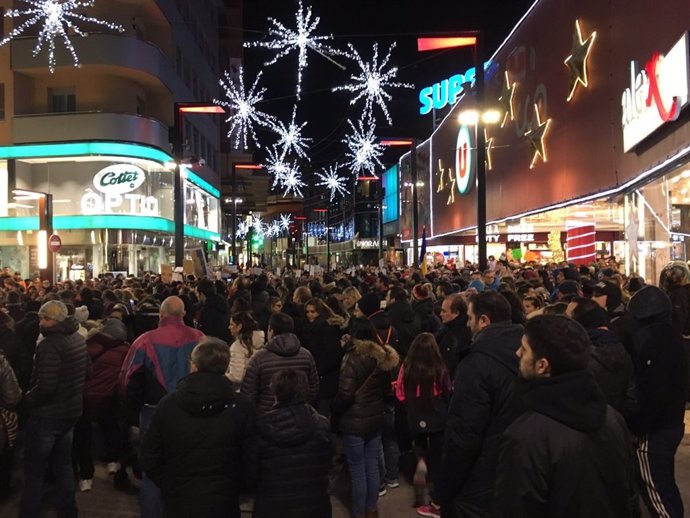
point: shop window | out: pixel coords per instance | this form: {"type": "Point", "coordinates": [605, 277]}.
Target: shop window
{"type": "Point", "coordinates": [2, 101]}
{"type": "Point", "coordinates": [62, 100]}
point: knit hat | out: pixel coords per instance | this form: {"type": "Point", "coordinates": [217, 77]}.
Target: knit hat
{"type": "Point", "coordinates": [54, 310]}
{"type": "Point", "coordinates": [115, 329]}
{"type": "Point", "coordinates": [81, 314]}
{"type": "Point", "coordinates": [569, 288]}
{"type": "Point", "coordinates": [612, 292]}
{"type": "Point", "coordinates": [420, 292]}
{"type": "Point", "coordinates": [594, 318]}
{"type": "Point", "coordinates": [369, 304]}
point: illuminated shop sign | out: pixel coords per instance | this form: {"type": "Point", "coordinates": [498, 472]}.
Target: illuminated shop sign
{"type": "Point", "coordinates": [656, 93]}
{"type": "Point", "coordinates": [366, 243]}
{"type": "Point", "coordinates": [115, 184]}
{"type": "Point", "coordinates": [464, 160]}
{"type": "Point", "coordinates": [447, 91]}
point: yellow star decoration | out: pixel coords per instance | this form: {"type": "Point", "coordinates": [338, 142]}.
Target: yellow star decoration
{"type": "Point", "coordinates": [506, 100]}
{"type": "Point", "coordinates": [451, 195]}
{"type": "Point", "coordinates": [536, 138]}
{"type": "Point", "coordinates": [451, 182]}
{"type": "Point", "coordinates": [489, 148]}
{"type": "Point", "coordinates": [442, 171]}
{"type": "Point", "coordinates": [577, 61]}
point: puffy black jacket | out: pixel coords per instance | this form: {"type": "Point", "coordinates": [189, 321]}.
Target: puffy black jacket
{"type": "Point", "coordinates": [424, 309]}
{"type": "Point", "coordinates": [385, 330]}
{"type": "Point", "coordinates": [569, 455]}
{"type": "Point", "coordinates": [214, 318]}
{"type": "Point", "coordinates": [61, 366]}
{"type": "Point", "coordinates": [406, 322]}
{"type": "Point", "coordinates": [294, 459]}
{"type": "Point", "coordinates": [27, 331]}
{"type": "Point", "coordinates": [365, 378]}
{"type": "Point", "coordinates": [322, 339]}
{"type": "Point", "coordinates": [199, 448]}
{"type": "Point", "coordinates": [282, 352]}
{"type": "Point", "coordinates": [612, 369]}
{"type": "Point", "coordinates": [481, 408]}
{"type": "Point", "coordinates": [455, 337]}
{"type": "Point", "coordinates": [10, 347]}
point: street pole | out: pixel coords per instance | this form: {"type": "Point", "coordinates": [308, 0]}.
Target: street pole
{"type": "Point", "coordinates": [481, 156]}
{"type": "Point", "coordinates": [178, 211]}
{"type": "Point", "coordinates": [306, 237]}
{"type": "Point", "coordinates": [328, 240]}
{"type": "Point", "coordinates": [45, 217]}
{"type": "Point", "coordinates": [233, 179]}
{"type": "Point", "coordinates": [415, 214]}
{"type": "Point", "coordinates": [381, 196]}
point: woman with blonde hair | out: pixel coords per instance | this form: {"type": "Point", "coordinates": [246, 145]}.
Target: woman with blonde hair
{"type": "Point", "coordinates": [248, 339]}
{"type": "Point", "coordinates": [350, 298]}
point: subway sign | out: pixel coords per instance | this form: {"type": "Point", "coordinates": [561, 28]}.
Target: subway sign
{"type": "Point", "coordinates": [446, 92]}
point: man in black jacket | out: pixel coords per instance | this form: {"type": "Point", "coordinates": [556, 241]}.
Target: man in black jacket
{"type": "Point", "coordinates": [54, 402]}
{"type": "Point", "coordinates": [454, 337]}
{"type": "Point", "coordinates": [403, 318]}
{"type": "Point", "coordinates": [214, 312]}
{"type": "Point", "coordinates": [481, 408]}
{"type": "Point", "coordinates": [569, 454]}
{"type": "Point", "coordinates": [199, 447]}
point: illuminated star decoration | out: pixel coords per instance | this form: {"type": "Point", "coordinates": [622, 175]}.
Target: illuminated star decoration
{"type": "Point", "coordinates": [442, 173]}
{"type": "Point", "coordinates": [336, 184]}
{"type": "Point", "coordinates": [286, 40]}
{"type": "Point", "coordinates": [292, 182]}
{"type": "Point", "coordinates": [58, 19]}
{"type": "Point", "coordinates": [242, 108]}
{"type": "Point", "coordinates": [577, 61]}
{"type": "Point", "coordinates": [364, 151]}
{"type": "Point", "coordinates": [371, 82]}
{"type": "Point", "coordinates": [506, 100]}
{"type": "Point", "coordinates": [536, 139]}
{"type": "Point", "coordinates": [273, 230]}
{"type": "Point", "coordinates": [242, 229]}
{"type": "Point", "coordinates": [489, 148]}
{"type": "Point", "coordinates": [291, 138]}
{"type": "Point", "coordinates": [258, 225]}
{"type": "Point", "coordinates": [275, 165]}
{"type": "Point", "coordinates": [453, 181]}
{"type": "Point", "coordinates": [285, 221]}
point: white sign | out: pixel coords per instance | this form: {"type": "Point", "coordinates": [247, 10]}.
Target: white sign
{"type": "Point", "coordinates": [115, 184]}
{"type": "Point", "coordinates": [366, 243]}
{"type": "Point", "coordinates": [119, 179]}
{"type": "Point", "coordinates": [656, 93]}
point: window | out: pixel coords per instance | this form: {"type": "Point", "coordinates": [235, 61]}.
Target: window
{"type": "Point", "coordinates": [390, 200]}
{"type": "Point", "coordinates": [61, 100]}
{"type": "Point", "coordinates": [2, 101]}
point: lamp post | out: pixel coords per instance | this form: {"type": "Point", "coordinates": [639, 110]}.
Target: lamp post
{"type": "Point", "coordinates": [233, 181]}
{"type": "Point", "coordinates": [177, 137]}
{"type": "Point", "coordinates": [328, 236]}
{"type": "Point", "coordinates": [473, 39]}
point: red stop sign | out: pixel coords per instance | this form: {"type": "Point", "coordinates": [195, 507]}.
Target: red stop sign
{"type": "Point", "coordinates": [54, 242]}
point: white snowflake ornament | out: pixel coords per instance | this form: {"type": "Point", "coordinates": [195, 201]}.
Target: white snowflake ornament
{"type": "Point", "coordinates": [335, 184]}
{"type": "Point", "coordinates": [364, 151]}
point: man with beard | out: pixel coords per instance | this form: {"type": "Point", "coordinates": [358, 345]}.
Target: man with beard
{"type": "Point", "coordinates": [569, 454]}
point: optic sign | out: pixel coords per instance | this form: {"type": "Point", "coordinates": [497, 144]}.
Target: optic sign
{"type": "Point", "coordinates": [464, 161]}
{"type": "Point", "coordinates": [447, 91]}
{"type": "Point", "coordinates": [656, 94]}
{"type": "Point", "coordinates": [115, 184]}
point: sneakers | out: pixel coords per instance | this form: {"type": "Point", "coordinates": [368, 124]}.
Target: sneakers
{"type": "Point", "coordinates": [382, 490]}
{"type": "Point", "coordinates": [85, 484]}
{"type": "Point", "coordinates": [393, 483]}
{"type": "Point", "coordinates": [429, 510]}
{"type": "Point", "coordinates": [112, 467]}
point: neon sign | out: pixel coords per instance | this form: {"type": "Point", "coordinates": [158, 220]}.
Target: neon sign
{"type": "Point", "coordinates": [464, 160]}
{"type": "Point", "coordinates": [447, 91]}
{"type": "Point", "coordinates": [119, 178]}
{"type": "Point", "coordinates": [115, 184]}
{"type": "Point", "coordinates": [656, 94]}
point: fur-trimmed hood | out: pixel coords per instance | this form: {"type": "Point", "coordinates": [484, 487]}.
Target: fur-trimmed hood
{"type": "Point", "coordinates": [336, 320]}
{"type": "Point", "coordinates": [386, 357]}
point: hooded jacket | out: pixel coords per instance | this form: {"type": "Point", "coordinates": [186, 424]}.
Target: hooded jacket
{"type": "Point", "coordinates": [424, 309]}
{"type": "Point", "coordinates": [568, 455]}
{"type": "Point", "coordinates": [455, 338]}
{"type": "Point", "coordinates": [214, 318]}
{"type": "Point", "coordinates": [107, 355]}
{"type": "Point", "coordinates": [365, 379]}
{"type": "Point", "coordinates": [282, 352]}
{"type": "Point", "coordinates": [61, 366]}
{"type": "Point", "coordinates": [322, 339]}
{"type": "Point", "coordinates": [481, 408]}
{"type": "Point", "coordinates": [612, 369]}
{"type": "Point", "coordinates": [239, 357]}
{"type": "Point", "coordinates": [406, 322]}
{"type": "Point", "coordinates": [294, 458]}
{"type": "Point", "coordinates": [199, 448]}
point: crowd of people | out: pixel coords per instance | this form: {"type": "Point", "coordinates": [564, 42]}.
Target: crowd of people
{"type": "Point", "coordinates": [521, 390]}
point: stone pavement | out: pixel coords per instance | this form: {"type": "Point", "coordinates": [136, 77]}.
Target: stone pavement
{"type": "Point", "coordinates": [105, 502]}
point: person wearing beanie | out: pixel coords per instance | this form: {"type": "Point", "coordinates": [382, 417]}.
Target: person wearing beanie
{"type": "Point", "coordinates": [610, 364]}
{"type": "Point", "coordinates": [369, 304]}
{"type": "Point", "coordinates": [566, 291]}
{"type": "Point", "coordinates": [423, 306]}
{"type": "Point", "coordinates": [54, 402]}
{"type": "Point", "coordinates": [609, 296]}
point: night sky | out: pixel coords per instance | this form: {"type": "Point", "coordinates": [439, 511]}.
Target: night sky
{"type": "Point", "coordinates": [363, 22]}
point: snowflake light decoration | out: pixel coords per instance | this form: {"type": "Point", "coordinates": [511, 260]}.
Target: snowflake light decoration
{"type": "Point", "coordinates": [291, 138]}
{"type": "Point", "coordinates": [336, 184]}
{"type": "Point", "coordinates": [285, 221]}
{"type": "Point", "coordinates": [286, 40]}
{"type": "Point", "coordinates": [241, 105]}
{"type": "Point", "coordinates": [364, 151]}
{"type": "Point", "coordinates": [273, 230]}
{"type": "Point", "coordinates": [242, 229]}
{"type": "Point", "coordinates": [292, 182]}
{"type": "Point", "coordinates": [276, 165]}
{"type": "Point", "coordinates": [258, 225]}
{"type": "Point", "coordinates": [58, 18]}
{"type": "Point", "coordinates": [372, 80]}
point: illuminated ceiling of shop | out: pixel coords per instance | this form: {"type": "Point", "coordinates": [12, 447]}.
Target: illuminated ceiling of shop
{"type": "Point", "coordinates": [604, 215]}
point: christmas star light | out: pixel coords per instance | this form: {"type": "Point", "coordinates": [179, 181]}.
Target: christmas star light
{"type": "Point", "coordinates": [241, 105]}
{"type": "Point", "coordinates": [371, 82]}
{"type": "Point", "coordinates": [258, 225]}
{"type": "Point", "coordinates": [364, 151]}
{"type": "Point", "coordinates": [336, 184]}
{"type": "Point", "coordinates": [273, 230]}
{"type": "Point", "coordinates": [506, 100]}
{"type": "Point", "coordinates": [292, 182]}
{"type": "Point", "coordinates": [577, 61]}
{"type": "Point", "coordinates": [291, 138]}
{"type": "Point", "coordinates": [285, 221]}
{"type": "Point", "coordinates": [58, 19]}
{"type": "Point", "coordinates": [536, 138]}
{"type": "Point", "coordinates": [276, 165]}
{"type": "Point", "coordinates": [286, 40]}
{"type": "Point", "coordinates": [242, 229]}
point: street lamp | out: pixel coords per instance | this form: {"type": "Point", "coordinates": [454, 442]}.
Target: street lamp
{"type": "Point", "coordinates": [233, 181]}
{"type": "Point", "coordinates": [471, 39]}
{"type": "Point", "coordinates": [180, 109]}
{"type": "Point", "coordinates": [328, 236]}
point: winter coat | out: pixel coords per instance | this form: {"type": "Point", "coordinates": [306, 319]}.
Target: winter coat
{"type": "Point", "coordinates": [406, 322]}
{"type": "Point", "coordinates": [612, 369]}
{"type": "Point", "coordinates": [27, 331]}
{"type": "Point", "coordinates": [680, 301]}
{"type": "Point", "coordinates": [10, 393]}
{"type": "Point", "coordinates": [384, 329]}
{"type": "Point", "coordinates": [454, 339]}
{"type": "Point", "coordinates": [424, 309]}
{"type": "Point", "coordinates": [15, 311]}
{"type": "Point", "coordinates": [157, 361]}
{"type": "Point", "coordinates": [10, 347]}
{"type": "Point", "coordinates": [294, 458]}
{"type": "Point", "coordinates": [282, 352]}
{"type": "Point", "coordinates": [239, 357]}
{"type": "Point", "coordinates": [146, 318]}
{"type": "Point", "coordinates": [481, 408]}
{"type": "Point", "coordinates": [107, 356]}
{"type": "Point", "coordinates": [322, 339]}
{"type": "Point", "coordinates": [569, 455]}
{"type": "Point", "coordinates": [365, 379]}
{"type": "Point", "coordinates": [61, 366]}
{"type": "Point", "coordinates": [198, 448]}
{"type": "Point", "coordinates": [214, 318]}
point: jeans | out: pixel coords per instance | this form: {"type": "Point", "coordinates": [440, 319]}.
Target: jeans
{"type": "Point", "coordinates": [48, 440]}
{"type": "Point", "coordinates": [389, 462]}
{"type": "Point", "coordinates": [83, 449]}
{"type": "Point", "coordinates": [362, 453]}
{"type": "Point", "coordinates": [150, 499]}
